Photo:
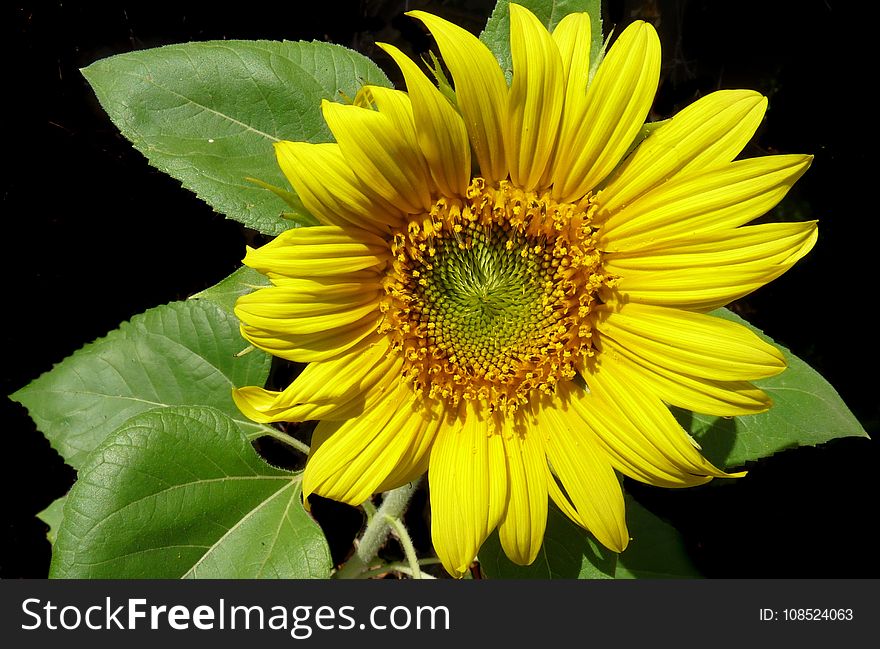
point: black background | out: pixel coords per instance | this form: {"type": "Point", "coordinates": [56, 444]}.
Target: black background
{"type": "Point", "coordinates": [94, 235]}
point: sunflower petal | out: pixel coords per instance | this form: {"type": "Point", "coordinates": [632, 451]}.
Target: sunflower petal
{"type": "Point", "coordinates": [719, 398]}
{"type": "Point", "coordinates": [414, 461]}
{"type": "Point", "coordinates": [467, 473]}
{"type": "Point", "coordinates": [644, 424]}
{"type": "Point", "coordinates": [318, 251]}
{"type": "Point", "coordinates": [691, 343]}
{"type": "Point", "coordinates": [380, 155]}
{"type": "Point", "coordinates": [712, 272]}
{"type": "Point", "coordinates": [522, 529]}
{"type": "Point", "coordinates": [709, 132]}
{"type": "Point", "coordinates": [573, 38]}
{"type": "Point", "coordinates": [441, 133]}
{"type": "Point", "coordinates": [535, 100]}
{"type": "Point", "coordinates": [357, 455]}
{"type": "Point", "coordinates": [614, 110]}
{"type": "Point", "coordinates": [718, 199]}
{"type": "Point", "coordinates": [588, 478]}
{"type": "Point", "coordinates": [284, 310]}
{"type": "Point", "coordinates": [329, 189]}
{"type": "Point", "coordinates": [628, 435]}
{"type": "Point", "coordinates": [396, 105]}
{"type": "Point", "coordinates": [316, 346]}
{"type": "Point", "coordinates": [480, 90]}
{"type": "Point", "coordinates": [340, 388]}
{"type": "Point", "coordinates": [771, 242]}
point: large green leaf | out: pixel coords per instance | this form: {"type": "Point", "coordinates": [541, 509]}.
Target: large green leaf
{"type": "Point", "coordinates": [568, 552]}
{"type": "Point", "coordinates": [208, 113]}
{"type": "Point", "coordinates": [656, 549]}
{"type": "Point", "coordinates": [806, 411]}
{"type": "Point", "coordinates": [52, 516]}
{"type": "Point", "coordinates": [225, 292]}
{"type": "Point", "coordinates": [497, 33]}
{"type": "Point", "coordinates": [183, 353]}
{"type": "Point", "coordinates": [180, 492]}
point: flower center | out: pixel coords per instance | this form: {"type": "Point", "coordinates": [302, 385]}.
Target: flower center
{"type": "Point", "coordinates": [490, 297]}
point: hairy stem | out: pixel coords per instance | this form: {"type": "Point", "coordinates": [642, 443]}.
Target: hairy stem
{"type": "Point", "coordinates": [378, 528]}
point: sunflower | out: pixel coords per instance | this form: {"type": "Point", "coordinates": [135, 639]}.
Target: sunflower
{"type": "Point", "coordinates": [505, 294]}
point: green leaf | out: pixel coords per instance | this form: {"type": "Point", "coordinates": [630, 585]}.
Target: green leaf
{"type": "Point", "coordinates": [569, 552]}
{"type": "Point", "coordinates": [183, 353]}
{"type": "Point", "coordinates": [806, 411]}
{"type": "Point", "coordinates": [208, 113]}
{"type": "Point", "coordinates": [656, 549]}
{"type": "Point", "coordinates": [180, 492]}
{"type": "Point", "coordinates": [225, 292]}
{"type": "Point", "coordinates": [52, 516]}
{"type": "Point", "coordinates": [497, 33]}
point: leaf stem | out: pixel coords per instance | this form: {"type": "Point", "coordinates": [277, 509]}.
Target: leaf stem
{"type": "Point", "coordinates": [369, 509]}
{"type": "Point", "coordinates": [408, 547]}
{"type": "Point", "coordinates": [388, 567]}
{"type": "Point", "coordinates": [267, 431]}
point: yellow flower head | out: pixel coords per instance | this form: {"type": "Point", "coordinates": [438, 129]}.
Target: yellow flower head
{"type": "Point", "coordinates": [502, 296]}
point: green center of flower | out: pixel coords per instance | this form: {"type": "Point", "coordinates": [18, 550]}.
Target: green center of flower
{"type": "Point", "coordinates": [484, 293]}
{"type": "Point", "coordinates": [490, 297]}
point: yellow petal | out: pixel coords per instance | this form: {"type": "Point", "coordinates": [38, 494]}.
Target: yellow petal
{"type": "Point", "coordinates": [691, 343]}
{"type": "Point", "coordinates": [397, 107]}
{"type": "Point", "coordinates": [280, 319]}
{"type": "Point", "coordinates": [302, 298]}
{"type": "Point", "coordinates": [340, 388]}
{"type": "Point", "coordinates": [721, 198]}
{"type": "Point", "coordinates": [719, 398]}
{"type": "Point", "coordinates": [414, 461]}
{"type": "Point", "coordinates": [319, 251]}
{"type": "Point", "coordinates": [480, 90]}
{"type": "Point", "coordinates": [440, 130]}
{"type": "Point", "coordinates": [330, 190]}
{"type": "Point", "coordinates": [380, 155]}
{"type": "Point", "coordinates": [713, 272]}
{"type": "Point", "coordinates": [316, 346]}
{"type": "Point", "coordinates": [394, 104]}
{"type": "Point", "coordinates": [573, 39]}
{"type": "Point", "coordinates": [535, 101]}
{"type": "Point", "coordinates": [287, 311]}
{"type": "Point", "coordinates": [613, 112]}
{"type": "Point", "coordinates": [522, 529]}
{"type": "Point", "coordinates": [633, 446]}
{"type": "Point", "coordinates": [770, 242]}
{"type": "Point", "coordinates": [708, 133]}
{"type": "Point", "coordinates": [467, 473]}
{"type": "Point", "coordinates": [588, 478]}
{"type": "Point", "coordinates": [357, 455]}
{"type": "Point", "coordinates": [645, 429]}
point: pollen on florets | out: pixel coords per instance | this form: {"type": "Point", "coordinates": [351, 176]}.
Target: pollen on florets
{"type": "Point", "coordinates": [489, 297]}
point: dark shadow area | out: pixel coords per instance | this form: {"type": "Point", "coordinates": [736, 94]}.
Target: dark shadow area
{"type": "Point", "coordinates": [341, 524]}
{"type": "Point", "coordinates": [806, 512]}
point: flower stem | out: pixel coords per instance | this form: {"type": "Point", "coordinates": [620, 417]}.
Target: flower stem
{"type": "Point", "coordinates": [378, 528]}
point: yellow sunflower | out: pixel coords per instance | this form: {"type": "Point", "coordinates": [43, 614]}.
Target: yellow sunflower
{"type": "Point", "coordinates": [503, 295]}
